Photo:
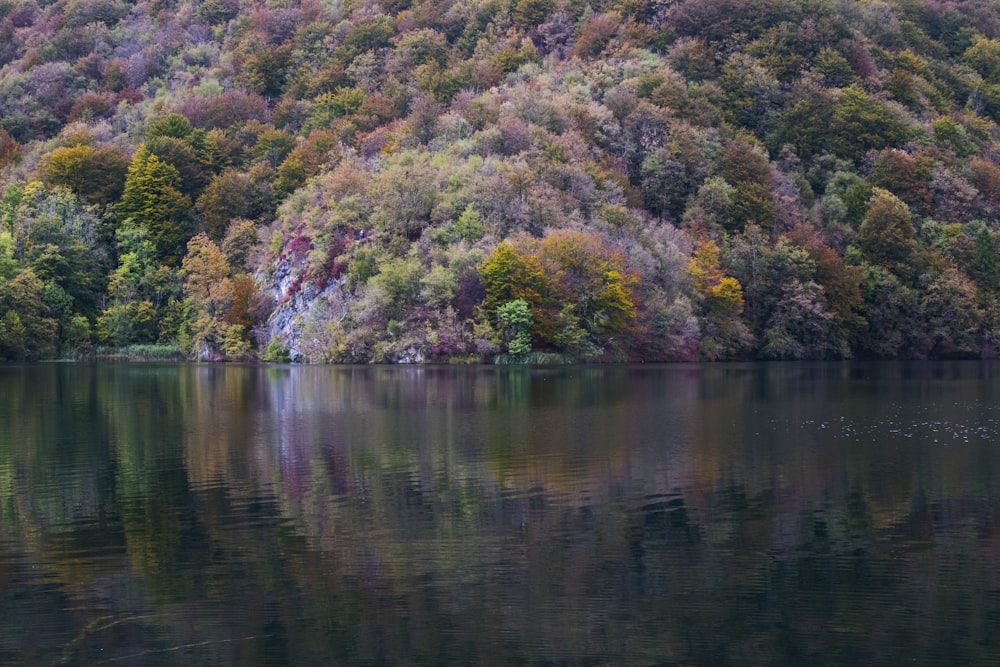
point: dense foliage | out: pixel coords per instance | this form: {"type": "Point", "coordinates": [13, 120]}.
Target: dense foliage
{"type": "Point", "coordinates": [420, 180]}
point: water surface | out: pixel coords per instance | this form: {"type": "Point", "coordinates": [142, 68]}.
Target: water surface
{"type": "Point", "coordinates": [821, 514]}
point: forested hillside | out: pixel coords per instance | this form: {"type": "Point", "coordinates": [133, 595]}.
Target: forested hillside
{"type": "Point", "coordinates": [452, 180]}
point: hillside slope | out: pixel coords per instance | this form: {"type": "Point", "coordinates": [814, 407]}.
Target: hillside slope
{"type": "Point", "coordinates": [451, 181]}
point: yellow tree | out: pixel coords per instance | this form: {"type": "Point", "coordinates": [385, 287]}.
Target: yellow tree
{"type": "Point", "coordinates": [720, 293]}
{"type": "Point", "coordinates": [95, 174]}
{"type": "Point", "coordinates": [592, 280]}
{"type": "Point", "coordinates": [511, 273]}
{"type": "Point", "coordinates": [720, 298]}
{"type": "Point", "coordinates": [209, 295]}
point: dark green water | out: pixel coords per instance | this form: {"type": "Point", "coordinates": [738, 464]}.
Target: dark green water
{"type": "Point", "coordinates": [799, 514]}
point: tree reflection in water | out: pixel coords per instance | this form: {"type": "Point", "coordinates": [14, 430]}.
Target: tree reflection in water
{"type": "Point", "coordinates": [732, 514]}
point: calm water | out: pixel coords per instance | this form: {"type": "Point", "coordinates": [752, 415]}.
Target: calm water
{"type": "Point", "coordinates": [801, 514]}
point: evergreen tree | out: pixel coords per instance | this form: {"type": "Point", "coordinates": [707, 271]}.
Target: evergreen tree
{"type": "Point", "coordinates": [153, 199]}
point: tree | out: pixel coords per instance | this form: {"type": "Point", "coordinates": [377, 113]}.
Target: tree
{"type": "Point", "coordinates": [834, 67]}
{"type": "Point", "coordinates": [840, 282]}
{"type": "Point", "coordinates": [787, 307]}
{"type": "Point", "coordinates": [985, 267]}
{"type": "Point", "coordinates": [984, 57]}
{"type": "Point", "coordinates": [713, 206]}
{"type": "Point", "coordinates": [800, 327]}
{"type": "Point", "coordinates": [954, 316]}
{"type": "Point", "coordinates": [719, 304]}
{"type": "Point", "coordinates": [717, 291]}
{"type": "Point", "coordinates": [986, 178]}
{"type": "Point", "coordinates": [241, 237]}
{"type": "Point", "coordinates": [673, 333]}
{"type": "Point", "coordinates": [172, 125]}
{"type": "Point", "coordinates": [27, 328]}
{"type": "Point", "coordinates": [10, 149]}
{"type": "Point", "coordinates": [753, 94]}
{"type": "Point", "coordinates": [95, 174]}
{"type": "Point", "coordinates": [949, 133]}
{"type": "Point", "coordinates": [231, 194]}
{"type": "Point", "coordinates": [665, 184]}
{"type": "Point", "coordinates": [598, 291]}
{"type": "Point", "coordinates": [886, 236]}
{"type": "Point", "coordinates": [529, 13]}
{"type": "Point", "coordinates": [397, 285]}
{"type": "Point", "coordinates": [894, 317]}
{"type": "Point", "coordinates": [265, 70]}
{"type": "Point", "coordinates": [511, 273]}
{"type": "Point", "coordinates": [860, 123]}
{"type": "Point", "coordinates": [209, 294]}
{"type": "Point", "coordinates": [514, 320]}
{"type": "Point", "coordinates": [153, 199]}
{"type": "Point", "coordinates": [328, 107]}
{"type": "Point", "coordinates": [905, 176]}
{"type": "Point", "coordinates": [405, 194]}
{"type": "Point", "coordinates": [182, 156]}
{"type": "Point", "coordinates": [805, 125]}
{"type": "Point", "coordinates": [62, 240]}
{"type": "Point", "coordinates": [140, 290]}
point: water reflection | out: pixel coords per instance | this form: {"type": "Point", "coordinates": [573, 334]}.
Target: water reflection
{"type": "Point", "coordinates": [730, 514]}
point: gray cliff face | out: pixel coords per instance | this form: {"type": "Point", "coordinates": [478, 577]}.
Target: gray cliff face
{"type": "Point", "coordinates": [298, 303]}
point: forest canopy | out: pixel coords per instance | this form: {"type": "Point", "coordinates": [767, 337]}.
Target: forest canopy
{"type": "Point", "coordinates": [440, 181]}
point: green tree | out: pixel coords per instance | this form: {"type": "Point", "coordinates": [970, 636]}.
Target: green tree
{"type": "Point", "coordinates": [172, 125]}
{"type": "Point", "coordinates": [241, 237]}
{"type": "Point", "coordinates": [153, 199]}
{"type": "Point", "coordinates": [330, 106]}
{"type": "Point", "coordinates": [529, 13]}
{"type": "Point", "coordinates": [405, 194]}
{"type": "Point", "coordinates": [665, 184]}
{"type": "Point", "coordinates": [886, 236]}
{"type": "Point", "coordinates": [265, 70]}
{"type": "Point", "coordinates": [514, 321]}
{"type": "Point", "coordinates": [182, 156]}
{"type": "Point", "coordinates": [28, 329]}
{"type": "Point", "coordinates": [860, 123]}
{"type": "Point", "coordinates": [785, 304]}
{"type": "Point", "coordinates": [469, 226]}
{"type": "Point", "coordinates": [805, 125]}
{"type": "Point", "coordinates": [985, 266]}
{"type": "Point", "coordinates": [8, 265]}
{"type": "Point", "coordinates": [984, 57]}
{"type": "Point", "coordinates": [949, 133]}
{"type": "Point", "coordinates": [140, 290]}
{"type": "Point", "coordinates": [397, 285]}
{"type": "Point", "coordinates": [894, 317]}
{"type": "Point", "coordinates": [834, 67]}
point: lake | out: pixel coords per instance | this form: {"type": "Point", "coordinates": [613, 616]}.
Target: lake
{"type": "Point", "coordinates": [732, 514]}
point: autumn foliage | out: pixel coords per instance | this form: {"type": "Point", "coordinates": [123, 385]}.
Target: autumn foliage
{"type": "Point", "coordinates": [581, 295]}
{"type": "Point", "coordinates": [351, 182]}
